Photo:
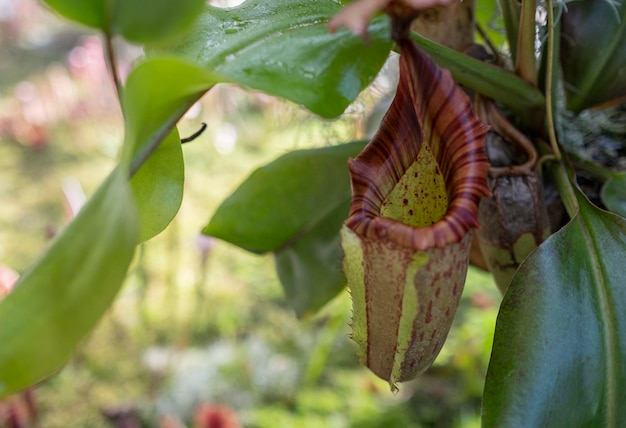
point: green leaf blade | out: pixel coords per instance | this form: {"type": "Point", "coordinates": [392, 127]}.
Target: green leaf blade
{"type": "Point", "coordinates": [139, 21]}
{"type": "Point", "coordinates": [310, 269]}
{"type": "Point", "coordinates": [158, 187]}
{"type": "Point", "coordinates": [157, 94]}
{"type": "Point", "coordinates": [284, 48]}
{"type": "Point", "coordinates": [524, 99]}
{"type": "Point", "coordinates": [593, 53]}
{"type": "Point", "coordinates": [559, 356]}
{"type": "Point", "coordinates": [294, 207]}
{"type": "Point", "coordinates": [155, 21]}
{"type": "Point", "coordinates": [284, 199]}
{"type": "Point", "coordinates": [57, 302]}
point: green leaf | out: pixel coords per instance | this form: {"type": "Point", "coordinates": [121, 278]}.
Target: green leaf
{"type": "Point", "coordinates": [61, 298]}
{"type": "Point", "coordinates": [490, 18]}
{"type": "Point", "coordinates": [524, 99]}
{"type": "Point", "coordinates": [157, 94]}
{"type": "Point", "coordinates": [614, 193]}
{"type": "Point", "coordinates": [158, 187]}
{"type": "Point", "coordinates": [511, 11]}
{"type": "Point", "coordinates": [140, 21]}
{"type": "Point", "coordinates": [310, 269]}
{"type": "Point", "coordinates": [593, 52]}
{"type": "Point", "coordinates": [283, 200]}
{"type": "Point", "coordinates": [91, 13]}
{"type": "Point", "coordinates": [559, 354]}
{"type": "Point", "coordinates": [294, 206]}
{"type": "Point", "coordinates": [284, 48]}
{"type": "Point", "coordinates": [155, 21]}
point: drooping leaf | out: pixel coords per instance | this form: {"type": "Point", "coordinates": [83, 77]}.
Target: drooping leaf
{"type": "Point", "coordinates": [140, 21]}
{"type": "Point", "coordinates": [416, 188]}
{"type": "Point", "coordinates": [63, 295]}
{"type": "Point", "coordinates": [614, 193]}
{"type": "Point", "coordinates": [283, 200]}
{"type": "Point", "coordinates": [310, 268]}
{"type": "Point", "coordinates": [294, 206]}
{"type": "Point", "coordinates": [158, 187]}
{"type": "Point", "coordinates": [593, 53]}
{"type": "Point", "coordinates": [157, 94]}
{"type": "Point", "coordinates": [559, 354]}
{"type": "Point", "coordinates": [284, 48]}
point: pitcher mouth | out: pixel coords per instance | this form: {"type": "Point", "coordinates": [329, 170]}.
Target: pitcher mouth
{"type": "Point", "coordinates": [439, 118]}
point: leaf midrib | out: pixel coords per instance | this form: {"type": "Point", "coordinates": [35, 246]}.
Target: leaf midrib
{"type": "Point", "coordinates": [607, 313]}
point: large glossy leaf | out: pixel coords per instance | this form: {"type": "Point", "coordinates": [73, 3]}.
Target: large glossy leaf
{"type": "Point", "coordinates": [60, 299]}
{"type": "Point", "coordinates": [284, 48]}
{"type": "Point", "coordinates": [593, 52]}
{"type": "Point", "coordinates": [141, 21]}
{"type": "Point", "coordinates": [294, 207]}
{"type": "Point", "coordinates": [559, 355]}
{"type": "Point", "coordinates": [157, 93]}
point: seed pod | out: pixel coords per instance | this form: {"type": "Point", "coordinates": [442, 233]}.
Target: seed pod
{"type": "Point", "coordinates": [415, 193]}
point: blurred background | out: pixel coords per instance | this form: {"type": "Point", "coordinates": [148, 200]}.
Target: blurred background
{"type": "Point", "coordinates": [200, 335]}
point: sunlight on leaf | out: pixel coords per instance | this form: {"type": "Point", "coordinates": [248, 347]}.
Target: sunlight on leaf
{"type": "Point", "coordinates": [284, 48]}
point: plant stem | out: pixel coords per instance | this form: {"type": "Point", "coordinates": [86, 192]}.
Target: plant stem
{"type": "Point", "coordinates": [550, 79]}
{"type": "Point", "coordinates": [112, 63]}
